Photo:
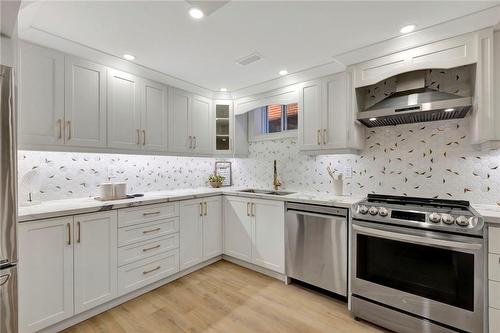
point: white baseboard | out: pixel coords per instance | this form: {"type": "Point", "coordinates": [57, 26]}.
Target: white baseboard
{"type": "Point", "coordinates": [256, 268]}
{"type": "Point", "coordinates": [122, 299]}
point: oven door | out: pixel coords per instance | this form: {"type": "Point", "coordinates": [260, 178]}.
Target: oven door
{"type": "Point", "coordinates": [434, 275]}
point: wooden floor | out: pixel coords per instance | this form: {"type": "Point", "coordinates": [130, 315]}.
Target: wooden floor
{"type": "Point", "coordinates": [227, 298]}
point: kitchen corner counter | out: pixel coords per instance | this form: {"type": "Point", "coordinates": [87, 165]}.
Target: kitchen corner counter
{"type": "Point", "coordinates": [491, 213]}
{"type": "Point", "coordinates": [65, 207]}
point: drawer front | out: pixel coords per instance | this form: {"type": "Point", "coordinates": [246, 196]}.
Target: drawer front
{"type": "Point", "coordinates": [138, 233]}
{"type": "Point", "coordinates": [135, 252]}
{"type": "Point", "coordinates": [494, 240]}
{"type": "Point", "coordinates": [147, 271]}
{"type": "Point", "coordinates": [494, 267]}
{"type": "Point", "coordinates": [136, 215]}
{"type": "Point", "coordinates": [494, 320]}
{"type": "Point", "coordinates": [494, 294]}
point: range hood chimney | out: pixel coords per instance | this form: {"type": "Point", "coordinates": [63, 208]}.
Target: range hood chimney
{"type": "Point", "coordinates": [415, 97]}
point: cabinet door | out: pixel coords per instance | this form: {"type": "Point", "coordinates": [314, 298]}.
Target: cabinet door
{"type": "Point", "coordinates": [337, 106]}
{"type": "Point", "coordinates": [268, 235]}
{"type": "Point", "coordinates": [95, 258]}
{"type": "Point", "coordinates": [41, 96]}
{"type": "Point", "coordinates": [85, 111]}
{"type": "Point", "coordinates": [45, 273]}
{"type": "Point", "coordinates": [310, 106]}
{"type": "Point", "coordinates": [154, 117]}
{"type": "Point", "coordinates": [178, 122]}
{"type": "Point", "coordinates": [201, 124]}
{"type": "Point", "coordinates": [191, 233]}
{"type": "Point", "coordinates": [123, 110]}
{"type": "Point", "coordinates": [212, 227]}
{"type": "Point", "coordinates": [238, 228]}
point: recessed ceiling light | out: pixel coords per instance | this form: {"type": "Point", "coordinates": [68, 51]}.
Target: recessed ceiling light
{"type": "Point", "coordinates": [408, 28]}
{"type": "Point", "coordinates": [128, 56]}
{"type": "Point", "coordinates": [373, 119]}
{"type": "Point", "coordinates": [196, 13]}
{"type": "Point", "coordinates": [223, 89]}
{"type": "Point", "coordinates": [449, 110]}
{"type": "Point", "coordinates": [283, 72]}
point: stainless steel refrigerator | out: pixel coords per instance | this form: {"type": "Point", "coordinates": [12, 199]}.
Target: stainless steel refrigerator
{"type": "Point", "coordinates": [8, 205]}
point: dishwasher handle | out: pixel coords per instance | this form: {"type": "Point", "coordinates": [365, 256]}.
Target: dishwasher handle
{"type": "Point", "coordinates": [307, 209]}
{"type": "Point", "coordinates": [304, 213]}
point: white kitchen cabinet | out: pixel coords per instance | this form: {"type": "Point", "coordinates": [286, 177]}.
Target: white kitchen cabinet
{"type": "Point", "coordinates": [124, 110]}
{"type": "Point", "coordinates": [201, 124]}
{"type": "Point", "coordinates": [200, 230]}
{"type": "Point", "coordinates": [327, 118]}
{"type": "Point", "coordinates": [95, 259]}
{"type": "Point", "coordinates": [212, 227]}
{"type": "Point", "coordinates": [268, 234]}
{"type": "Point", "coordinates": [45, 273]}
{"type": "Point", "coordinates": [85, 103]}
{"type": "Point", "coordinates": [179, 139]}
{"type": "Point", "coordinates": [41, 96]}
{"type": "Point", "coordinates": [154, 116]}
{"type": "Point", "coordinates": [254, 231]}
{"type": "Point", "coordinates": [237, 228]}
{"type": "Point", "coordinates": [494, 320]}
{"type": "Point", "coordinates": [191, 233]}
{"type": "Point", "coordinates": [494, 278]}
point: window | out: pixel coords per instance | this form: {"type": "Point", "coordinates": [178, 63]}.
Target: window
{"type": "Point", "coordinates": [279, 118]}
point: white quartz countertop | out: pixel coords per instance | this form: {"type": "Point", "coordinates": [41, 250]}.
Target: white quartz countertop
{"type": "Point", "coordinates": [491, 213]}
{"type": "Point", "coordinates": [57, 208]}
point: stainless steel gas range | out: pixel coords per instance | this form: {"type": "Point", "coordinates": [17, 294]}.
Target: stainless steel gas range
{"type": "Point", "coordinates": [418, 264]}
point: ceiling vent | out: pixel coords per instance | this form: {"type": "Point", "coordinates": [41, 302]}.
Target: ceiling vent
{"type": "Point", "coordinates": [249, 59]}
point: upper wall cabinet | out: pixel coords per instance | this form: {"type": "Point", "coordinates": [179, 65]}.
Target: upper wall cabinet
{"type": "Point", "coordinates": [136, 112]}
{"type": "Point", "coordinates": [190, 123]}
{"type": "Point", "coordinates": [326, 119]}
{"type": "Point", "coordinates": [448, 53]}
{"type": "Point", "coordinates": [41, 96]}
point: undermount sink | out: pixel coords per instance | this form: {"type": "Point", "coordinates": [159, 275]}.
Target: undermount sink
{"type": "Point", "coordinates": [270, 192]}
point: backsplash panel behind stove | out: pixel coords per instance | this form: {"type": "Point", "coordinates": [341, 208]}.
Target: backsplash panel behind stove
{"type": "Point", "coordinates": [429, 159]}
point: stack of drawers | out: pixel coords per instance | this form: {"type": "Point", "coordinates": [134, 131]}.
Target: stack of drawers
{"type": "Point", "coordinates": [494, 278]}
{"type": "Point", "coordinates": [148, 245]}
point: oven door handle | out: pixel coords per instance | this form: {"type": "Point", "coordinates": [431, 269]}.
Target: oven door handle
{"type": "Point", "coordinates": [416, 239]}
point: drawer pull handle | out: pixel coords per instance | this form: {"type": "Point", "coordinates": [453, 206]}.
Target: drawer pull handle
{"type": "Point", "coordinates": [152, 230]}
{"type": "Point", "coordinates": [152, 213]}
{"type": "Point", "coordinates": [151, 270]}
{"type": "Point", "coordinates": [151, 248]}
{"type": "Point", "coordinates": [68, 226]}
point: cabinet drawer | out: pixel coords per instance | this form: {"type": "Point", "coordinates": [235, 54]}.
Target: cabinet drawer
{"type": "Point", "coordinates": [494, 320]}
{"type": "Point", "coordinates": [494, 267]}
{"type": "Point", "coordinates": [494, 240]}
{"type": "Point", "coordinates": [144, 272]}
{"type": "Point", "coordinates": [146, 249]}
{"type": "Point", "coordinates": [146, 231]}
{"type": "Point", "coordinates": [136, 215]}
{"type": "Point", "coordinates": [494, 294]}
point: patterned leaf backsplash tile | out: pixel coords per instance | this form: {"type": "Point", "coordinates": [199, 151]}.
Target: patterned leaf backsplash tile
{"type": "Point", "coordinates": [428, 159]}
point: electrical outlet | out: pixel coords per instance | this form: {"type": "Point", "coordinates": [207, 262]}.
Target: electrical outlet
{"type": "Point", "coordinates": [348, 172]}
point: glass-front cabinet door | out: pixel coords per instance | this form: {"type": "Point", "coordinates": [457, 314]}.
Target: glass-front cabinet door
{"type": "Point", "coordinates": [223, 127]}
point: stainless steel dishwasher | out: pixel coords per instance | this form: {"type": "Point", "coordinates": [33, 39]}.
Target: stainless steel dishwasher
{"type": "Point", "coordinates": [316, 246]}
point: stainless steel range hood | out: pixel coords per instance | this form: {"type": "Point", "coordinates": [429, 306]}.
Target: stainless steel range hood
{"type": "Point", "coordinates": [412, 102]}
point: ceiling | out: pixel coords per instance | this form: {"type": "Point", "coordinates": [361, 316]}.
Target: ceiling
{"type": "Point", "coordinates": [293, 35]}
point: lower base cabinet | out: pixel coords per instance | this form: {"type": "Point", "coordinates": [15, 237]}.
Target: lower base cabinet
{"type": "Point", "coordinates": [254, 231]}
{"type": "Point", "coordinates": [63, 271]}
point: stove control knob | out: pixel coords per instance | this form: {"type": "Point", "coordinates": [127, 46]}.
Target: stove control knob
{"type": "Point", "coordinates": [447, 218]}
{"type": "Point", "coordinates": [363, 209]}
{"type": "Point", "coordinates": [435, 217]}
{"type": "Point", "coordinates": [373, 211]}
{"type": "Point", "coordinates": [462, 221]}
{"type": "Point", "coordinates": [383, 211]}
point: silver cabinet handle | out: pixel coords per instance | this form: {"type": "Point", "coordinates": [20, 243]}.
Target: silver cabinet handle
{"type": "Point", "coordinates": [4, 278]}
{"type": "Point", "coordinates": [68, 226]}
{"type": "Point", "coordinates": [190, 142]}
{"type": "Point", "coordinates": [324, 136]}
{"type": "Point", "coordinates": [78, 232]}
{"type": "Point", "coordinates": [206, 208]}
{"type": "Point", "coordinates": [152, 230]}
{"type": "Point", "coordinates": [194, 146]}
{"type": "Point", "coordinates": [248, 208]}
{"type": "Point", "coordinates": [151, 213]}
{"type": "Point", "coordinates": [201, 208]}
{"type": "Point", "coordinates": [151, 270]}
{"type": "Point", "coordinates": [59, 126]}
{"type": "Point", "coordinates": [253, 209]}
{"type": "Point", "coordinates": [143, 137]}
{"type": "Point", "coordinates": [151, 248]}
{"type": "Point", "coordinates": [138, 137]}
{"type": "Point", "coordinates": [68, 125]}
{"type": "Point", "coordinates": [318, 137]}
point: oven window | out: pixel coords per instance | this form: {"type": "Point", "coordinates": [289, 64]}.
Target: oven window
{"type": "Point", "coordinates": [442, 275]}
